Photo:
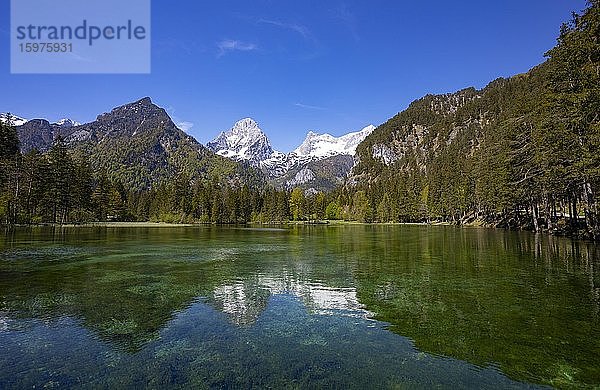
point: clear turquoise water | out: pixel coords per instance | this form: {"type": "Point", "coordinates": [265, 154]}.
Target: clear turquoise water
{"type": "Point", "coordinates": [322, 306]}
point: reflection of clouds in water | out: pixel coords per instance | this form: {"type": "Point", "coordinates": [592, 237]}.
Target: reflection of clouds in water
{"type": "Point", "coordinates": [244, 301]}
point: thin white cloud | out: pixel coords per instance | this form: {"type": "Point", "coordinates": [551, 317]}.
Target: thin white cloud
{"type": "Point", "coordinates": [313, 44]}
{"type": "Point", "coordinates": [185, 126]}
{"type": "Point", "coordinates": [79, 58]}
{"type": "Point", "coordinates": [298, 28]}
{"type": "Point", "coordinates": [309, 107]}
{"type": "Point", "coordinates": [227, 45]}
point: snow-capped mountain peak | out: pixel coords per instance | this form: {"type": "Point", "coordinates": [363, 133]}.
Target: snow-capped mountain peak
{"type": "Point", "coordinates": [325, 145]}
{"type": "Point", "coordinates": [15, 120]}
{"type": "Point", "coordinates": [66, 122]}
{"type": "Point", "coordinates": [18, 121]}
{"type": "Point", "coordinates": [244, 141]}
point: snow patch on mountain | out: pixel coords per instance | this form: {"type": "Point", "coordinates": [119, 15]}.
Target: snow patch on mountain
{"type": "Point", "coordinates": [245, 141]}
{"type": "Point", "coordinates": [18, 121]}
{"type": "Point", "coordinates": [326, 145]}
{"type": "Point", "coordinates": [278, 164]}
{"type": "Point", "coordinates": [66, 122]}
{"type": "Point", "coordinates": [15, 120]}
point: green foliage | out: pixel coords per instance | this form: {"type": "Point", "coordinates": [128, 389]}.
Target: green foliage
{"type": "Point", "coordinates": [297, 204]}
{"type": "Point", "coordinates": [59, 187]}
{"type": "Point", "coordinates": [522, 152]}
{"type": "Point", "coordinates": [333, 211]}
{"type": "Point", "coordinates": [9, 140]}
{"type": "Point", "coordinates": [361, 207]}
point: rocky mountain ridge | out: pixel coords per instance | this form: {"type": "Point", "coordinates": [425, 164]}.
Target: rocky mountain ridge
{"type": "Point", "coordinates": [136, 144]}
{"type": "Point", "coordinates": [321, 162]}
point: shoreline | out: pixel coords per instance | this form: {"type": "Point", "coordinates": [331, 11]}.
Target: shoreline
{"type": "Point", "coordinates": [108, 224]}
{"type": "Point", "coordinates": [290, 224]}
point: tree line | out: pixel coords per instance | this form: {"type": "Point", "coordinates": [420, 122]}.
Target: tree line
{"type": "Point", "coordinates": [59, 187]}
{"type": "Point", "coordinates": [524, 152]}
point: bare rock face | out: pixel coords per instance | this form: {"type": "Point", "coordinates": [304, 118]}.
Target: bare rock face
{"type": "Point", "coordinates": [38, 133]}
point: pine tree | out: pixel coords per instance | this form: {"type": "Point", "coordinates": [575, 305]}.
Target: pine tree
{"type": "Point", "coordinates": [9, 140]}
{"type": "Point", "coordinates": [61, 174]}
{"type": "Point", "coordinates": [575, 103]}
{"type": "Point", "coordinates": [333, 211]}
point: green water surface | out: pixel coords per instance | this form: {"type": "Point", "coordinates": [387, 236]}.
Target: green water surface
{"type": "Point", "coordinates": [300, 307]}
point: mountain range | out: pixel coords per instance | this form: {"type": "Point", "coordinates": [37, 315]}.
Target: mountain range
{"type": "Point", "coordinates": [39, 133]}
{"type": "Point", "coordinates": [139, 144]}
{"type": "Point", "coordinates": [320, 163]}
{"type": "Point", "coordinates": [18, 121]}
{"type": "Point", "coordinates": [521, 152]}
{"type": "Point", "coordinates": [13, 119]}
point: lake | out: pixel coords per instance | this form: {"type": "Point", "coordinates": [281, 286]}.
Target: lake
{"type": "Point", "coordinates": [318, 306]}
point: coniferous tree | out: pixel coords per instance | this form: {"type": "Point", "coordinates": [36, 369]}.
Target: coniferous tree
{"type": "Point", "coordinates": [60, 195]}
{"type": "Point", "coordinates": [575, 104]}
{"type": "Point", "coordinates": [10, 172]}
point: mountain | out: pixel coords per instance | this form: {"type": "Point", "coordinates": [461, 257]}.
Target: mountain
{"type": "Point", "coordinates": [40, 134]}
{"type": "Point", "coordinates": [245, 141]}
{"type": "Point", "coordinates": [18, 121]}
{"type": "Point", "coordinates": [320, 163]}
{"type": "Point", "coordinates": [325, 145]}
{"type": "Point", "coordinates": [427, 127]}
{"type": "Point", "coordinates": [518, 153]}
{"type": "Point", "coordinates": [137, 144]}
{"type": "Point", "coordinates": [318, 174]}
{"type": "Point", "coordinates": [15, 120]}
{"type": "Point", "coordinates": [66, 122]}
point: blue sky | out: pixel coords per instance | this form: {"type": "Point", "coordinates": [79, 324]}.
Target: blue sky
{"type": "Point", "coordinates": [294, 66]}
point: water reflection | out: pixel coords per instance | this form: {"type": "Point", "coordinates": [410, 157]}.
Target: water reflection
{"type": "Point", "coordinates": [523, 304]}
{"type": "Point", "coordinates": [244, 301]}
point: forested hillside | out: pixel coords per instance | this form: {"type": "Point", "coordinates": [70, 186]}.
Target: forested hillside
{"type": "Point", "coordinates": [131, 164]}
{"type": "Point", "coordinates": [522, 152]}
{"type": "Point", "coordinates": [61, 187]}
